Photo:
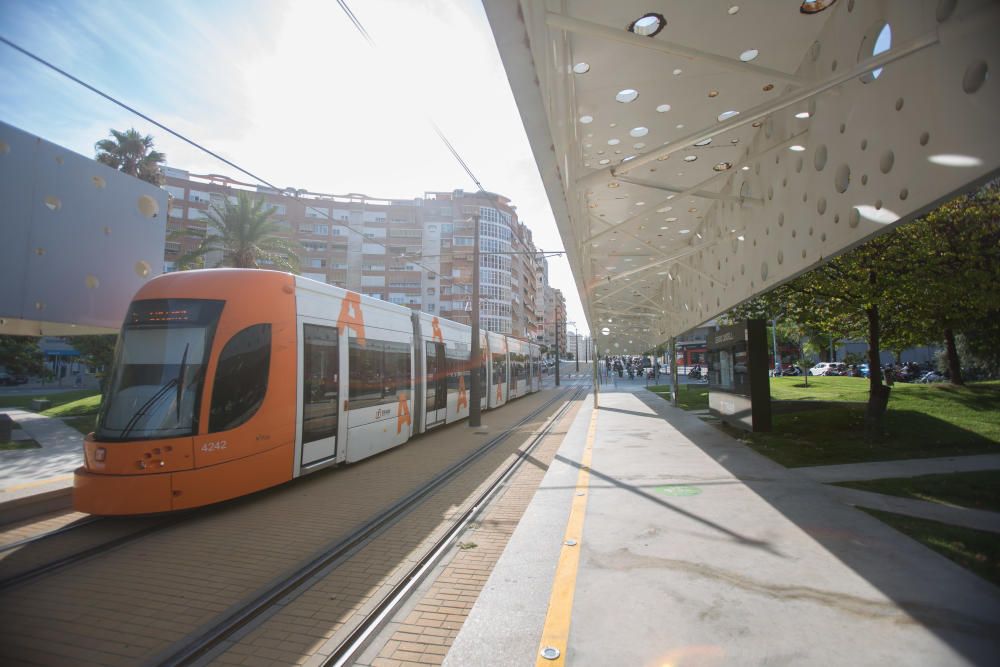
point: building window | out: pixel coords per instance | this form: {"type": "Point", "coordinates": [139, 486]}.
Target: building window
{"type": "Point", "coordinates": [430, 291]}
{"type": "Point", "coordinates": [323, 229]}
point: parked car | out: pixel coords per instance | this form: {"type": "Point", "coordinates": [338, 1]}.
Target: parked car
{"type": "Point", "coordinates": [7, 379]}
{"type": "Point", "coordinates": [829, 368]}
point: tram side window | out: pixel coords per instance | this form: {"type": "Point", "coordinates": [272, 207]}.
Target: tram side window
{"type": "Point", "coordinates": [241, 378]}
{"type": "Point", "coordinates": [379, 370]}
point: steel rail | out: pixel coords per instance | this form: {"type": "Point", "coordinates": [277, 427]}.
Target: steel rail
{"type": "Point", "coordinates": [359, 638]}
{"type": "Point", "coordinates": [86, 521]}
{"type": "Point", "coordinates": [91, 552]}
{"type": "Point", "coordinates": [190, 650]}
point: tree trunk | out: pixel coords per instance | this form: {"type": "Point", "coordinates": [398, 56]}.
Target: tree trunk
{"type": "Point", "coordinates": [954, 367]}
{"type": "Point", "coordinates": [878, 397]}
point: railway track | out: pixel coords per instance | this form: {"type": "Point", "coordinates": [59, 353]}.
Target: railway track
{"type": "Point", "coordinates": [201, 648]}
{"type": "Point", "coordinates": [123, 532]}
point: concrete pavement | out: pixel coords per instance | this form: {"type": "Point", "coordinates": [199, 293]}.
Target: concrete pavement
{"type": "Point", "coordinates": [697, 550]}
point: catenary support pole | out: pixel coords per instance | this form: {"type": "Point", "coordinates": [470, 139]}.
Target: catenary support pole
{"type": "Point", "coordinates": [476, 357]}
{"type": "Point", "coordinates": [557, 344]}
{"type": "Point", "coordinates": [596, 383]}
{"type": "Point", "coordinates": [674, 388]}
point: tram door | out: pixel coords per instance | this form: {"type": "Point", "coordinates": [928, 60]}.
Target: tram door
{"type": "Point", "coordinates": [320, 393]}
{"type": "Point", "coordinates": [437, 384]}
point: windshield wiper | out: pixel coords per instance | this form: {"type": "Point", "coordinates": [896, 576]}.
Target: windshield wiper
{"type": "Point", "coordinates": [180, 381]}
{"type": "Point", "coordinates": [160, 393]}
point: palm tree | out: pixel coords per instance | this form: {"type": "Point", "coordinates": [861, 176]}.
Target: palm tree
{"type": "Point", "coordinates": [245, 235]}
{"type": "Point", "coordinates": [133, 154]}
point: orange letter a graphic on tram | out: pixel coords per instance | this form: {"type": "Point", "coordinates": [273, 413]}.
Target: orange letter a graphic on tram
{"type": "Point", "coordinates": [436, 329]}
{"type": "Point", "coordinates": [462, 398]}
{"type": "Point", "coordinates": [350, 316]}
{"type": "Point", "coordinates": [402, 413]}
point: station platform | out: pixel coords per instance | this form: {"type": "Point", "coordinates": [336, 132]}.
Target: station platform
{"type": "Point", "coordinates": [656, 539]}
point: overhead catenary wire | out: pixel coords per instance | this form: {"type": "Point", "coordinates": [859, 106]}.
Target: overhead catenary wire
{"type": "Point", "coordinates": [324, 211]}
{"type": "Point", "coordinates": [437, 130]}
{"type": "Point", "coordinates": [321, 210]}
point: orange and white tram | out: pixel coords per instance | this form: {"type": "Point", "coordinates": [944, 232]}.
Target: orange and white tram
{"type": "Point", "coordinates": [229, 381]}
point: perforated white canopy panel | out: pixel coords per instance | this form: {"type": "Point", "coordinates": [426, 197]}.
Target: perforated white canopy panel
{"type": "Point", "coordinates": [696, 154]}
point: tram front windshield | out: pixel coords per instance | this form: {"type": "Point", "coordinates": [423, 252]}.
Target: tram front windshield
{"type": "Point", "coordinates": [159, 370]}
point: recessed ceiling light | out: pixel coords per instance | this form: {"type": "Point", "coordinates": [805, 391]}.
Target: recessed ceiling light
{"type": "Point", "coordinates": [671, 220]}
{"type": "Point", "coordinates": [614, 184]}
{"type": "Point", "coordinates": [664, 209]}
{"type": "Point", "coordinates": [663, 108]}
{"type": "Point", "coordinates": [741, 237]}
{"type": "Point", "coordinates": [726, 115]}
{"type": "Point", "coordinates": [814, 6]}
{"type": "Point", "coordinates": [685, 231]}
{"type": "Point", "coordinates": [748, 55]}
{"type": "Point", "coordinates": [703, 142]}
{"type": "Point", "coordinates": [678, 71]}
{"type": "Point", "coordinates": [734, 10]}
{"type": "Point", "coordinates": [802, 114]}
{"type": "Point", "coordinates": [604, 161]}
{"type": "Point", "coordinates": [690, 158]}
{"type": "Point", "coordinates": [581, 68]}
{"type": "Point", "coordinates": [639, 131]}
{"type": "Point", "coordinates": [627, 95]}
{"type": "Point", "coordinates": [613, 142]}
{"type": "Point", "coordinates": [638, 146]}
{"type": "Point", "coordinates": [797, 148]}
{"type": "Point", "coordinates": [745, 168]}
{"type": "Point", "coordinates": [723, 166]}
{"type": "Point", "coordinates": [586, 120]}
{"type": "Point", "coordinates": [649, 25]}
{"type": "Point", "coordinates": [664, 227]}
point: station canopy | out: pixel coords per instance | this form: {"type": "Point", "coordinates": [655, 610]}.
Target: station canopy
{"type": "Point", "coordinates": [696, 154]}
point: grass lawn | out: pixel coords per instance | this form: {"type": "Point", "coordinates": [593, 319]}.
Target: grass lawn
{"type": "Point", "coordinates": [922, 421]}
{"type": "Point", "coordinates": [58, 398]}
{"type": "Point", "coordinates": [690, 397]}
{"type": "Point", "coordinates": [975, 550]}
{"type": "Point", "coordinates": [977, 490]}
{"type": "Point", "coordinates": [85, 405]}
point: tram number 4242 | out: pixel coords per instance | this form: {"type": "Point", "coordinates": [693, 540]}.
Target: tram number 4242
{"type": "Point", "coordinates": [216, 446]}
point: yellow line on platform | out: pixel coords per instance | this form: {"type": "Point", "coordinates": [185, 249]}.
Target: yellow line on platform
{"type": "Point", "coordinates": [40, 482]}
{"type": "Point", "coordinates": [555, 634]}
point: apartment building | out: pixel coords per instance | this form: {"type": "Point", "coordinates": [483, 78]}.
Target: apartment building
{"type": "Point", "coordinates": [554, 321]}
{"type": "Point", "coordinates": [413, 252]}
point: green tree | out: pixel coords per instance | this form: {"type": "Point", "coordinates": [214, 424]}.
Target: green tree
{"type": "Point", "coordinates": [245, 235]}
{"type": "Point", "coordinates": [132, 153]}
{"type": "Point", "coordinates": [957, 249]}
{"type": "Point", "coordinates": [98, 352]}
{"type": "Point", "coordinates": [20, 355]}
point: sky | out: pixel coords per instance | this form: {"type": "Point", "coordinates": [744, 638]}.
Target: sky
{"type": "Point", "coordinates": [289, 91]}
